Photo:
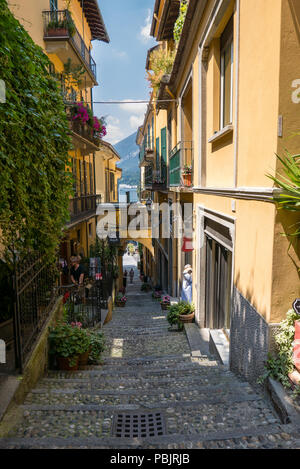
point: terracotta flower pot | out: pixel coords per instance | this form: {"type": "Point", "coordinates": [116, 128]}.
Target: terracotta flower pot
{"type": "Point", "coordinates": [187, 179]}
{"type": "Point", "coordinates": [57, 32]}
{"type": "Point", "coordinates": [185, 318]}
{"type": "Point", "coordinates": [64, 364]}
{"type": "Point", "coordinates": [83, 358]}
{"type": "Point", "coordinates": [120, 304]}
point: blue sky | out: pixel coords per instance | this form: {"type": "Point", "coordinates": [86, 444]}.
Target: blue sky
{"type": "Point", "coordinates": [121, 64]}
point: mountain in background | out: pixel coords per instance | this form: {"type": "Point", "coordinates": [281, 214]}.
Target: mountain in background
{"type": "Point", "coordinates": [129, 153]}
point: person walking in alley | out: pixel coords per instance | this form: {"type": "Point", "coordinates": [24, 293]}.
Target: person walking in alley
{"type": "Point", "coordinates": [186, 293]}
{"type": "Point", "coordinates": [131, 275]}
{"type": "Point", "coordinates": [125, 278]}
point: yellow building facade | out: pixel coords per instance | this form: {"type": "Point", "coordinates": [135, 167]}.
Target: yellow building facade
{"type": "Point", "coordinates": [227, 109]}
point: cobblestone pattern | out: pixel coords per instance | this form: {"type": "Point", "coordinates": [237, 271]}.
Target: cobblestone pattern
{"type": "Point", "coordinates": [148, 367]}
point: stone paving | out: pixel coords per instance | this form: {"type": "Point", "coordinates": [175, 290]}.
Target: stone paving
{"type": "Point", "coordinates": [148, 368]}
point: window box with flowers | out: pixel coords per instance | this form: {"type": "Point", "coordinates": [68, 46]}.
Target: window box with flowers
{"type": "Point", "coordinates": [187, 175]}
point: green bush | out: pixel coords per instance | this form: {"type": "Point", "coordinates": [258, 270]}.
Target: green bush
{"type": "Point", "coordinates": [278, 366]}
{"type": "Point", "coordinates": [68, 341]}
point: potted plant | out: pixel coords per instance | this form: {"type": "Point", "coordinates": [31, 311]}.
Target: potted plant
{"type": "Point", "coordinates": [173, 316]}
{"type": "Point", "coordinates": [186, 311]}
{"type": "Point", "coordinates": [145, 287]}
{"type": "Point", "coordinates": [97, 346]}
{"type": "Point", "coordinates": [165, 302]}
{"type": "Point", "coordinates": [156, 295]}
{"type": "Point", "coordinates": [121, 300]}
{"type": "Point", "coordinates": [187, 175]}
{"type": "Point", "coordinates": [67, 342]}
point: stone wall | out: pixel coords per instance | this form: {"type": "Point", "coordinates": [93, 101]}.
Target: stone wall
{"type": "Point", "coordinates": [251, 339]}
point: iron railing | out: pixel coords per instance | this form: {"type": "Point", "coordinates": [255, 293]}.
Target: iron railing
{"type": "Point", "coordinates": [83, 206]}
{"type": "Point", "coordinates": [58, 25]}
{"type": "Point", "coordinates": [181, 165]}
{"type": "Point", "coordinates": [35, 294]}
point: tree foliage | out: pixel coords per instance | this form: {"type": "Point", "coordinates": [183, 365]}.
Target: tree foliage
{"type": "Point", "coordinates": [34, 144]}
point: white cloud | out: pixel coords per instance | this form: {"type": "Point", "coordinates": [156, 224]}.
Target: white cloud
{"type": "Point", "coordinates": [145, 30]}
{"type": "Point", "coordinates": [134, 108]}
{"type": "Point", "coordinates": [136, 121]}
{"type": "Point", "coordinates": [114, 132]}
{"type": "Point", "coordinates": [120, 54]}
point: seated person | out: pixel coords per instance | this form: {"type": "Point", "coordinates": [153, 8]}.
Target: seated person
{"type": "Point", "coordinates": [77, 273]}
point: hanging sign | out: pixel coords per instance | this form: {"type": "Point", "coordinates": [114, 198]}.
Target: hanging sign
{"type": "Point", "coordinates": [187, 245]}
{"type": "Point", "coordinates": [296, 306]}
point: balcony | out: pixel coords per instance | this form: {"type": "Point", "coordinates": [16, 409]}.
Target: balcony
{"type": "Point", "coordinates": [63, 39]}
{"type": "Point", "coordinates": [146, 156]}
{"type": "Point", "coordinates": [155, 180]}
{"type": "Point", "coordinates": [83, 135]}
{"type": "Point", "coordinates": [83, 207]}
{"type": "Point", "coordinates": [181, 166]}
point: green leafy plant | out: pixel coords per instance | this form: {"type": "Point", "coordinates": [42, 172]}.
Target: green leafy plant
{"type": "Point", "coordinates": [35, 174]}
{"type": "Point", "coordinates": [161, 63]}
{"type": "Point", "coordinates": [97, 345]}
{"type": "Point", "coordinates": [178, 26]}
{"type": "Point", "coordinates": [278, 366]}
{"type": "Point", "coordinates": [290, 183]}
{"type": "Point", "coordinates": [173, 316]}
{"type": "Point", "coordinates": [185, 308]}
{"type": "Point", "coordinates": [69, 341]}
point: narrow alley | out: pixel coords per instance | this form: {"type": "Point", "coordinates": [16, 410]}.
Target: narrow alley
{"type": "Point", "coordinates": [149, 393]}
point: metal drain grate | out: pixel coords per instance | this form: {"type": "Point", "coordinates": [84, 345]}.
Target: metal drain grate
{"type": "Point", "coordinates": [138, 425]}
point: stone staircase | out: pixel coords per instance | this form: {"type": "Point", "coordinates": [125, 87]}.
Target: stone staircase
{"type": "Point", "coordinates": [149, 393]}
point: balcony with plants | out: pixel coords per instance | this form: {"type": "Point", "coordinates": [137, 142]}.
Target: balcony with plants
{"type": "Point", "coordinates": [87, 130]}
{"type": "Point", "coordinates": [181, 166]}
{"type": "Point", "coordinates": [147, 151]}
{"type": "Point", "coordinates": [63, 39]}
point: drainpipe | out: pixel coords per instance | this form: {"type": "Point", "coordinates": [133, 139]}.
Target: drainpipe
{"type": "Point", "coordinates": [237, 60]}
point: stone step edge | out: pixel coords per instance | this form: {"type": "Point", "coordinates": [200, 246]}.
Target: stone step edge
{"type": "Point", "coordinates": [155, 381]}
{"type": "Point", "coordinates": [130, 372]}
{"type": "Point", "coordinates": [228, 400]}
{"type": "Point", "coordinates": [114, 443]}
{"type": "Point", "coordinates": [136, 392]}
{"type": "Point", "coordinates": [147, 358]}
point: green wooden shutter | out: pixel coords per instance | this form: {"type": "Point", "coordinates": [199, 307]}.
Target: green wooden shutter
{"type": "Point", "coordinates": [157, 153]}
{"type": "Point", "coordinates": [163, 134]}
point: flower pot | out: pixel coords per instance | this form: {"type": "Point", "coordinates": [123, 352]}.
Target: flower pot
{"type": "Point", "coordinates": [186, 318]}
{"type": "Point", "coordinates": [164, 306]}
{"type": "Point", "coordinates": [64, 364]}
{"type": "Point", "coordinates": [120, 304]}
{"type": "Point", "coordinates": [57, 32]}
{"type": "Point", "coordinates": [187, 179]}
{"type": "Point", "coordinates": [84, 358]}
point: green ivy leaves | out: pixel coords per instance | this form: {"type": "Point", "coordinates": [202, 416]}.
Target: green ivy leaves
{"type": "Point", "coordinates": [34, 145]}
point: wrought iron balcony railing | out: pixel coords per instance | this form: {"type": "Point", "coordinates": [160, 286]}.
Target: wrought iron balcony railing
{"type": "Point", "coordinates": [83, 206]}
{"type": "Point", "coordinates": [181, 165]}
{"type": "Point", "coordinates": [58, 25]}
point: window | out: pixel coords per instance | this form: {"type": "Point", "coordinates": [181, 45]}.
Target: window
{"type": "Point", "coordinates": [90, 229]}
{"type": "Point", "coordinates": [53, 5]}
{"type": "Point", "coordinates": [226, 75]}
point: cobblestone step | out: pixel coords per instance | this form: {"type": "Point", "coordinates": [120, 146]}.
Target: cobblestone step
{"type": "Point", "coordinates": [144, 384]}
{"type": "Point", "coordinates": [267, 437]}
{"type": "Point", "coordinates": [187, 418]}
{"type": "Point", "coordinates": [143, 369]}
{"type": "Point", "coordinates": [157, 397]}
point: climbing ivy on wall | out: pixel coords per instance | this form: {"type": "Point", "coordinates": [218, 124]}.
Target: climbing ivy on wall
{"type": "Point", "coordinates": [34, 142]}
{"type": "Point", "coordinates": [180, 20]}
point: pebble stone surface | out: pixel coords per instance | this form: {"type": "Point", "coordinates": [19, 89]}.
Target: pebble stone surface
{"type": "Point", "coordinates": [148, 368]}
